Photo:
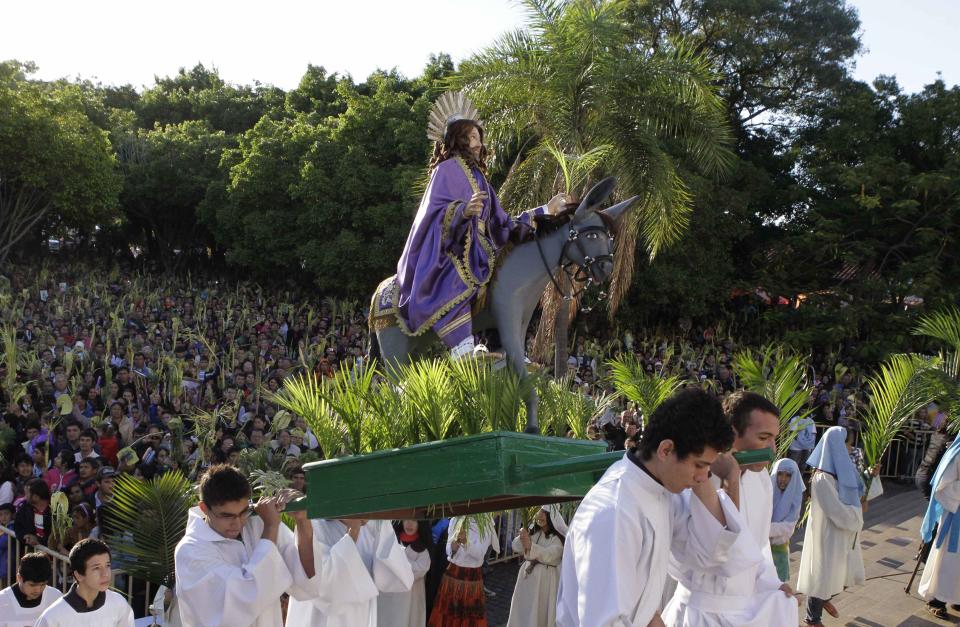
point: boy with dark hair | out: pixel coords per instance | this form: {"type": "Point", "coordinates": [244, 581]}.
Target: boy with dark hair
{"type": "Point", "coordinates": [24, 602]}
{"type": "Point", "coordinates": [34, 519]}
{"type": "Point", "coordinates": [232, 568]}
{"type": "Point", "coordinates": [90, 602]}
{"type": "Point", "coordinates": [617, 548]}
{"type": "Point", "coordinates": [86, 441]}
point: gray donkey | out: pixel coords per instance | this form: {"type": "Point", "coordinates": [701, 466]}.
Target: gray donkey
{"type": "Point", "coordinates": [585, 244]}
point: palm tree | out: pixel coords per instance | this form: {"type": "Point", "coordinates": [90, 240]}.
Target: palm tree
{"type": "Point", "coordinates": [575, 81]}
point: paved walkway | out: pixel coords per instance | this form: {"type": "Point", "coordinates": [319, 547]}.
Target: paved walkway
{"type": "Point", "coordinates": [889, 543]}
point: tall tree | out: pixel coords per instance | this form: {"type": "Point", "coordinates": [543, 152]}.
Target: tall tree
{"type": "Point", "coordinates": [56, 167]}
{"type": "Point", "coordinates": [166, 178]}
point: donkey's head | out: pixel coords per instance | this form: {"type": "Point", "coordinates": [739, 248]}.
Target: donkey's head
{"type": "Point", "coordinates": [590, 243]}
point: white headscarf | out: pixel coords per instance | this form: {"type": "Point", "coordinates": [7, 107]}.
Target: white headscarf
{"type": "Point", "coordinates": [556, 518]}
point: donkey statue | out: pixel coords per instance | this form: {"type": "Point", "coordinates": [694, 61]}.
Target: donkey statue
{"type": "Point", "coordinates": [586, 244]}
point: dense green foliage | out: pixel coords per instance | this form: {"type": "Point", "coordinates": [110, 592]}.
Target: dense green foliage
{"type": "Point", "coordinates": [764, 165]}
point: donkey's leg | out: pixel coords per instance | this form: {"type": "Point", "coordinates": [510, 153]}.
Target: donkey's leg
{"type": "Point", "coordinates": [511, 338]}
{"type": "Point", "coordinates": [395, 347]}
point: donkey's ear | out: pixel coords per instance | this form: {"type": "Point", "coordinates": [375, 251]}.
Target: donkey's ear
{"type": "Point", "coordinates": [620, 208]}
{"type": "Point", "coordinates": [595, 197]}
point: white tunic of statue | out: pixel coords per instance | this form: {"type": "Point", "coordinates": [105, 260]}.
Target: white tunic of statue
{"type": "Point", "coordinates": [351, 575]}
{"type": "Point", "coordinates": [831, 558]}
{"type": "Point", "coordinates": [236, 582]}
{"type": "Point", "coordinates": [941, 575]}
{"type": "Point", "coordinates": [406, 609]}
{"type": "Point", "coordinates": [615, 556]}
{"type": "Point", "coordinates": [741, 588]}
{"type": "Point", "coordinates": [534, 602]}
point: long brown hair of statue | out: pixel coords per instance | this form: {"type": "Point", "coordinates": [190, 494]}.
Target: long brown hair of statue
{"type": "Point", "coordinates": [458, 145]}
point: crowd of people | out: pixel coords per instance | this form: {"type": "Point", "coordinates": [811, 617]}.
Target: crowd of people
{"type": "Point", "coordinates": [108, 368]}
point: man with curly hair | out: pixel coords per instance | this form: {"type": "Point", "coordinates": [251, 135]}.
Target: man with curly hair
{"type": "Point", "coordinates": [614, 565]}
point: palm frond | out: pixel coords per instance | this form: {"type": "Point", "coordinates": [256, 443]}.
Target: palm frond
{"type": "Point", "coordinates": [147, 519]}
{"type": "Point", "coordinates": [897, 391]}
{"type": "Point", "coordinates": [646, 390]}
{"type": "Point", "coordinates": [782, 379]}
{"type": "Point", "coordinates": [942, 325]}
{"type": "Point", "coordinates": [429, 396]}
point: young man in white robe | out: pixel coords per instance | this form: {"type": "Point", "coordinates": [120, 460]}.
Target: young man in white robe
{"type": "Point", "coordinates": [409, 609]}
{"type": "Point", "coordinates": [356, 560]}
{"type": "Point", "coordinates": [940, 583]}
{"type": "Point", "coordinates": [534, 602]}
{"type": "Point", "coordinates": [742, 588]}
{"type": "Point", "coordinates": [90, 602]}
{"type": "Point", "coordinates": [831, 558]}
{"type": "Point", "coordinates": [232, 568]}
{"type": "Point", "coordinates": [23, 602]}
{"type": "Point", "coordinates": [616, 551]}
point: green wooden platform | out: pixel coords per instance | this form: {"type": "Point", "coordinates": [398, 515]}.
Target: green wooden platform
{"type": "Point", "coordinates": [468, 475]}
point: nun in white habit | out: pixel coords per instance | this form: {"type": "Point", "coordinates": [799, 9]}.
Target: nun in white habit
{"type": "Point", "coordinates": [534, 602]}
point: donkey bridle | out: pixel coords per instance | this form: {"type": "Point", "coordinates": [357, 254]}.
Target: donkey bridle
{"type": "Point", "coordinates": [583, 273]}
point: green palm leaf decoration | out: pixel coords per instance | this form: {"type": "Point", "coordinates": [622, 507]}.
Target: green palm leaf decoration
{"type": "Point", "coordinates": [897, 390]}
{"type": "Point", "coordinates": [942, 325]}
{"type": "Point", "coordinates": [563, 410]}
{"type": "Point", "coordinates": [782, 379]}
{"type": "Point", "coordinates": [346, 395]}
{"type": "Point", "coordinates": [429, 394]}
{"type": "Point", "coordinates": [488, 399]}
{"type": "Point", "coordinates": [147, 519]}
{"type": "Point", "coordinates": [302, 395]}
{"type": "Point", "coordinates": [645, 390]}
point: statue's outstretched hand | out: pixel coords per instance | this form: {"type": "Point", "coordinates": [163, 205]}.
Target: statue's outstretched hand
{"type": "Point", "coordinates": [556, 204]}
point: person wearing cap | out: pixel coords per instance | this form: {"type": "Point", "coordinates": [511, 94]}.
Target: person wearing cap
{"type": "Point", "coordinates": [534, 602]}
{"type": "Point", "coordinates": [458, 230]}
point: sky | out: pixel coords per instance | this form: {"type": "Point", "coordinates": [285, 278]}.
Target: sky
{"type": "Point", "coordinates": [272, 42]}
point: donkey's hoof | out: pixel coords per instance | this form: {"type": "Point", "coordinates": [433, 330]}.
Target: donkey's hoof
{"type": "Point", "coordinates": [532, 429]}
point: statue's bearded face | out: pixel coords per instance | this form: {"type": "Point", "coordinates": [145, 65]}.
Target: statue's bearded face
{"type": "Point", "coordinates": [476, 143]}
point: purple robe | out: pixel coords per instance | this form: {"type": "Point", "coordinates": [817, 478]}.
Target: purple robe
{"type": "Point", "coordinates": [448, 258]}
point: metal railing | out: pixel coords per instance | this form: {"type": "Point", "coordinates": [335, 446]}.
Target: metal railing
{"type": "Point", "coordinates": [904, 455]}
{"type": "Point", "coordinates": [61, 578]}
